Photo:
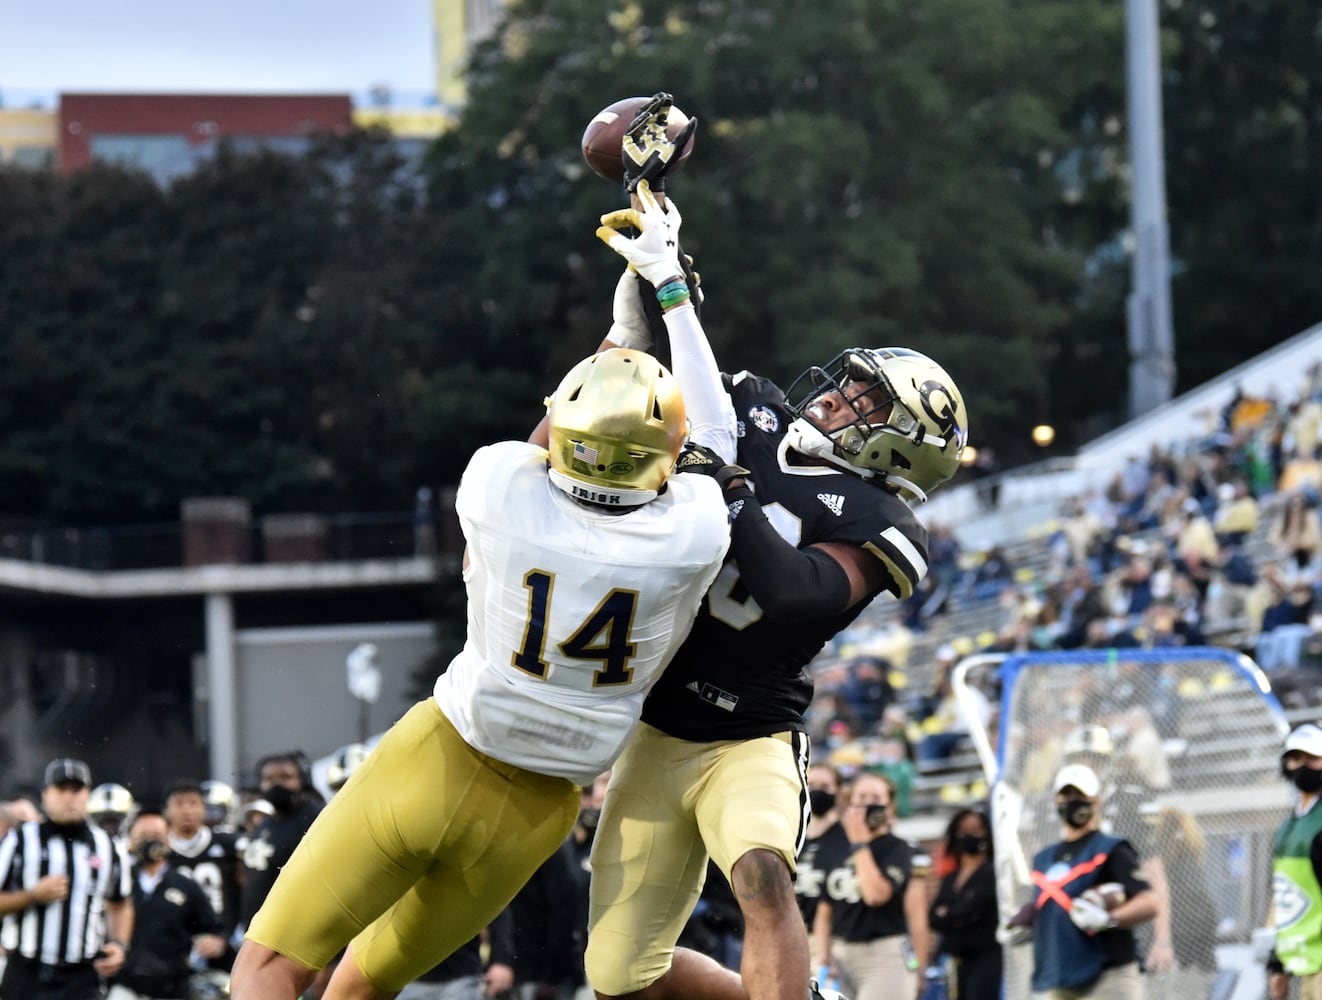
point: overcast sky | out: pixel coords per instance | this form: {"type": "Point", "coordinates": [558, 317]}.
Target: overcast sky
{"type": "Point", "coordinates": [229, 46]}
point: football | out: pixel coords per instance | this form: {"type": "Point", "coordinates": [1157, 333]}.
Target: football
{"type": "Point", "coordinates": [1108, 895]}
{"type": "Point", "coordinates": [603, 139]}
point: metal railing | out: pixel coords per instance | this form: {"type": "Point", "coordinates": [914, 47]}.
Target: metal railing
{"type": "Point", "coordinates": [330, 538]}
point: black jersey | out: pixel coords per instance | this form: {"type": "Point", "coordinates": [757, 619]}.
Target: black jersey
{"type": "Point", "coordinates": [739, 674]}
{"type": "Point", "coordinates": [810, 875]}
{"type": "Point", "coordinates": [211, 859]}
{"type": "Point", "coordinates": [851, 918]}
{"type": "Point", "coordinates": [269, 850]}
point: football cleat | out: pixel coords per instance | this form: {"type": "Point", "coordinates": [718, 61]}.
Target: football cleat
{"type": "Point", "coordinates": [816, 993]}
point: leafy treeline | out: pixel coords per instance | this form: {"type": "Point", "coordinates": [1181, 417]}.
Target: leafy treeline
{"type": "Point", "coordinates": [330, 331]}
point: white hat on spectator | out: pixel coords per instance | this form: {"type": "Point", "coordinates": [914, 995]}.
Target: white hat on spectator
{"type": "Point", "coordinates": [1306, 738]}
{"type": "Point", "coordinates": [1079, 776]}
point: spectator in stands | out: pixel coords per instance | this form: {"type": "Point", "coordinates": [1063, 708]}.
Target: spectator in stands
{"type": "Point", "coordinates": [965, 912]}
{"type": "Point", "coordinates": [1196, 549]}
{"type": "Point", "coordinates": [1302, 474]}
{"type": "Point", "coordinates": [1236, 513]}
{"type": "Point", "coordinates": [1285, 622]}
{"type": "Point", "coordinates": [1296, 532]}
{"type": "Point", "coordinates": [992, 573]}
{"type": "Point", "coordinates": [1082, 530]}
{"type": "Point", "coordinates": [948, 724]}
{"type": "Point", "coordinates": [867, 689]}
{"type": "Point", "coordinates": [943, 552]}
{"type": "Point", "coordinates": [1108, 633]}
{"type": "Point", "coordinates": [1163, 627]}
{"type": "Point", "coordinates": [1303, 427]}
{"type": "Point", "coordinates": [886, 756]}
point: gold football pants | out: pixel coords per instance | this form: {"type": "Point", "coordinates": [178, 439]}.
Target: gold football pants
{"type": "Point", "coordinates": [424, 845]}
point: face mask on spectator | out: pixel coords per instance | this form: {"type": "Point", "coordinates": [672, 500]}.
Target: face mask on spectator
{"type": "Point", "coordinates": [1075, 812]}
{"type": "Point", "coordinates": [821, 801]}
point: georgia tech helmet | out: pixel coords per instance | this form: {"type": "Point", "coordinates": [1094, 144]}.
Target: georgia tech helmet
{"type": "Point", "coordinates": [910, 425]}
{"type": "Point", "coordinates": [347, 759]}
{"type": "Point", "coordinates": [110, 799]}
{"type": "Point", "coordinates": [617, 423]}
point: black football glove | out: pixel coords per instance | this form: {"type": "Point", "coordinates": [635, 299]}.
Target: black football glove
{"type": "Point", "coordinates": [648, 152]}
{"type": "Point", "coordinates": [701, 459]}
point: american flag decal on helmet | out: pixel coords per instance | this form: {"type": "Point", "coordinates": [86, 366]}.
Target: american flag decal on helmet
{"type": "Point", "coordinates": [585, 454]}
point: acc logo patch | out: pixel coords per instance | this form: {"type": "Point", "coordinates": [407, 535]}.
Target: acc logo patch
{"type": "Point", "coordinates": [175, 896]}
{"type": "Point", "coordinates": [1290, 902]}
{"type": "Point", "coordinates": [764, 419]}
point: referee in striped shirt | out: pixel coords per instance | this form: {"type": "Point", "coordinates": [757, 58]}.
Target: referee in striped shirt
{"type": "Point", "coordinates": [65, 896]}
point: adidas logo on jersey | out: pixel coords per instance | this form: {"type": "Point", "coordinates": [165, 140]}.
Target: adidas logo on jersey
{"type": "Point", "coordinates": [835, 502]}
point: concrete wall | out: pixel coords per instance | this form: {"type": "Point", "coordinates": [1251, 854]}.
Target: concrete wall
{"type": "Point", "coordinates": [293, 689]}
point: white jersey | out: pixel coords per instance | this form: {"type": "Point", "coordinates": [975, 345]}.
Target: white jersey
{"type": "Point", "coordinates": [572, 612]}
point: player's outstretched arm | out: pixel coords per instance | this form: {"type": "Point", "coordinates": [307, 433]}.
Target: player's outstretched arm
{"type": "Point", "coordinates": [655, 255]}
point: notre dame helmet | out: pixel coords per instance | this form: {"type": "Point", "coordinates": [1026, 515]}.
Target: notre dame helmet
{"type": "Point", "coordinates": [109, 805]}
{"type": "Point", "coordinates": [617, 422]}
{"type": "Point", "coordinates": [346, 760]}
{"type": "Point", "coordinates": [910, 425]}
{"type": "Point", "coordinates": [219, 800]}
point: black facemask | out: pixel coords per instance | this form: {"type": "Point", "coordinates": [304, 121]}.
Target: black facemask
{"type": "Point", "coordinates": [1306, 779]}
{"type": "Point", "coordinates": [821, 801]}
{"type": "Point", "coordinates": [969, 843]}
{"type": "Point", "coordinates": [878, 817]}
{"type": "Point", "coordinates": [281, 798]}
{"type": "Point", "coordinates": [150, 851]}
{"type": "Point", "coordinates": [1075, 812]}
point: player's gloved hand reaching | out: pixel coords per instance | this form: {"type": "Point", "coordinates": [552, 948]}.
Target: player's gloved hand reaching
{"type": "Point", "coordinates": [704, 461]}
{"type": "Point", "coordinates": [1089, 917]}
{"type": "Point", "coordinates": [654, 253]}
{"type": "Point", "coordinates": [648, 152]}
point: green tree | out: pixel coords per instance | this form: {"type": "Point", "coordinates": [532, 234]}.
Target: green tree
{"type": "Point", "coordinates": [887, 174]}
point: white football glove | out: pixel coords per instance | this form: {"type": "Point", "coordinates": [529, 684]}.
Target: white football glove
{"type": "Point", "coordinates": [628, 321]}
{"type": "Point", "coordinates": [654, 253]}
{"type": "Point", "coordinates": [1089, 917]}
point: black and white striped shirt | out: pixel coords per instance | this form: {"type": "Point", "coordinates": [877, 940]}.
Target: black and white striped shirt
{"type": "Point", "coordinates": [71, 930]}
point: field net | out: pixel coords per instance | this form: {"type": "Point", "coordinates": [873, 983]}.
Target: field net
{"type": "Point", "coordinates": [1187, 743]}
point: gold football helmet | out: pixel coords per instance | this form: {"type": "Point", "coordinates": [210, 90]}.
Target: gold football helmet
{"type": "Point", "coordinates": [347, 759]}
{"type": "Point", "coordinates": [909, 428]}
{"type": "Point", "coordinates": [617, 422]}
{"type": "Point", "coordinates": [110, 805]}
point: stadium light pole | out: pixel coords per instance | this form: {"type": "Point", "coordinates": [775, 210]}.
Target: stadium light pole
{"type": "Point", "coordinates": [1151, 340]}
